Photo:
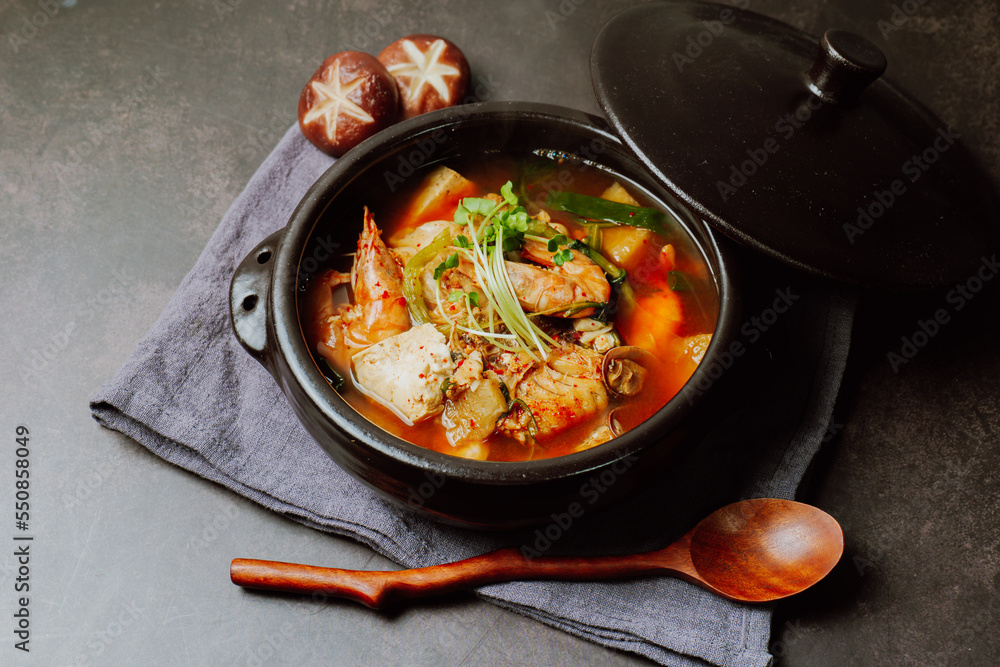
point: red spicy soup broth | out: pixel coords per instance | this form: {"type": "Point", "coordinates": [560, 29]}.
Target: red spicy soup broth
{"type": "Point", "coordinates": [669, 307]}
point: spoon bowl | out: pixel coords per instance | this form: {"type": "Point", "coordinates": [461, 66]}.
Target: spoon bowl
{"type": "Point", "coordinates": [750, 551]}
{"type": "Point", "coordinates": [765, 549]}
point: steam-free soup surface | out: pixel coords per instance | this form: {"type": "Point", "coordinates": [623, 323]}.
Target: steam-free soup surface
{"type": "Point", "coordinates": [503, 309]}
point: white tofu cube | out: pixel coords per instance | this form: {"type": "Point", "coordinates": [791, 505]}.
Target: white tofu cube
{"type": "Point", "coordinates": [405, 372]}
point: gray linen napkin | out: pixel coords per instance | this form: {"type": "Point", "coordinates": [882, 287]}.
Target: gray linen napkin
{"type": "Point", "coordinates": [193, 397]}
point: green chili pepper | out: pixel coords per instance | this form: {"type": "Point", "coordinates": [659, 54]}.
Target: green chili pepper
{"type": "Point", "coordinates": [616, 274]}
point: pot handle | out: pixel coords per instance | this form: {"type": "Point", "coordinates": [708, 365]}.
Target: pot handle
{"type": "Point", "coordinates": [248, 296]}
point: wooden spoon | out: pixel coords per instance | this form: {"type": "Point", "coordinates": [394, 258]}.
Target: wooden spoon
{"type": "Point", "coordinates": [750, 551]}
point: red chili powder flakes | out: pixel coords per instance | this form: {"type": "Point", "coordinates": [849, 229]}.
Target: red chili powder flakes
{"type": "Point", "coordinates": [421, 376]}
{"type": "Point", "coordinates": [385, 294]}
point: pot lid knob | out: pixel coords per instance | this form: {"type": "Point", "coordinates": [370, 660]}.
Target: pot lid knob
{"type": "Point", "coordinates": [846, 64]}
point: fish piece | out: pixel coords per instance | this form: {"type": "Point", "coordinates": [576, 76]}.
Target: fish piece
{"type": "Point", "coordinates": [462, 278]}
{"type": "Point", "coordinates": [549, 287]}
{"type": "Point", "coordinates": [406, 371]}
{"type": "Point", "coordinates": [599, 436]}
{"type": "Point", "coordinates": [473, 416]}
{"type": "Point", "coordinates": [560, 394]}
{"type": "Point", "coordinates": [512, 367]}
{"type": "Point", "coordinates": [467, 372]}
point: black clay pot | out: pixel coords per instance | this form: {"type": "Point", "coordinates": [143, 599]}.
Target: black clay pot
{"type": "Point", "coordinates": [265, 310]}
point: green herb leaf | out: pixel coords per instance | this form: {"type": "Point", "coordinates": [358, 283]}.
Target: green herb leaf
{"type": "Point", "coordinates": [563, 256]}
{"type": "Point", "coordinates": [511, 243]}
{"type": "Point", "coordinates": [462, 242]}
{"type": "Point", "coordinates": [507, 192]}
{"type": "Point", "coordinates": [439, 271]}
{"type": "Point", "coordinates": [516, 220]}
{"type": "Point", "coordinates": [470, 207]}
{"type": "Point", "coordinates": [458, 295]}
{"type": "Point", "coordinates": [556, 241]}
{"type": "Point", "coordinates": [452, 261]}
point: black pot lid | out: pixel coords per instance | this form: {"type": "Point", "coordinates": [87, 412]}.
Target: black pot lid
{"type": "Point", "coordinates": [793, 145]}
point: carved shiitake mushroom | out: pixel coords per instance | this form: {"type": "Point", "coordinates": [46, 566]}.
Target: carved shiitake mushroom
{"type": "Point", "coordinates": [349, 98]}
{"type": "Point", "coordinates": [431, 72]}
{"type": "Point", "coordinates": [624, 369]}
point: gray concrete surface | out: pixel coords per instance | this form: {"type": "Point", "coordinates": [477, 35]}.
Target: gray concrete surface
{"type": "Point", "coordinates": [126, 129]}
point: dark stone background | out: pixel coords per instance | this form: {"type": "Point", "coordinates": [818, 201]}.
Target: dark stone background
{"type": "Point", "coordinates": [127, 129]}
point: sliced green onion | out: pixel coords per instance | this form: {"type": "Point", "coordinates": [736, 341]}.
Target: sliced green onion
{"type": "Point", "coordinates": [616, 274]}
{"type": "Point", "coordinates": [596, 208]}
{"type": "Point", "coordinates": [680, 281]}
{"type": "Point", "coordinates": [571, 308]}
{"type": "Point", "coordinates": [413, 291]}
{"type": "Point", "coordinates": [335, 379]}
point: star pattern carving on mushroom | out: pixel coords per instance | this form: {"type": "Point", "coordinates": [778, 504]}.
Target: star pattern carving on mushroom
{"type": "Point", "coordinates": [424, 69]}
{"type": "Point", "coordinates": [333, 101]}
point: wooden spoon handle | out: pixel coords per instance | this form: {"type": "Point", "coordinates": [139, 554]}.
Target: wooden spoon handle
{"type": "Point", "coordinates": [377, 589]}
